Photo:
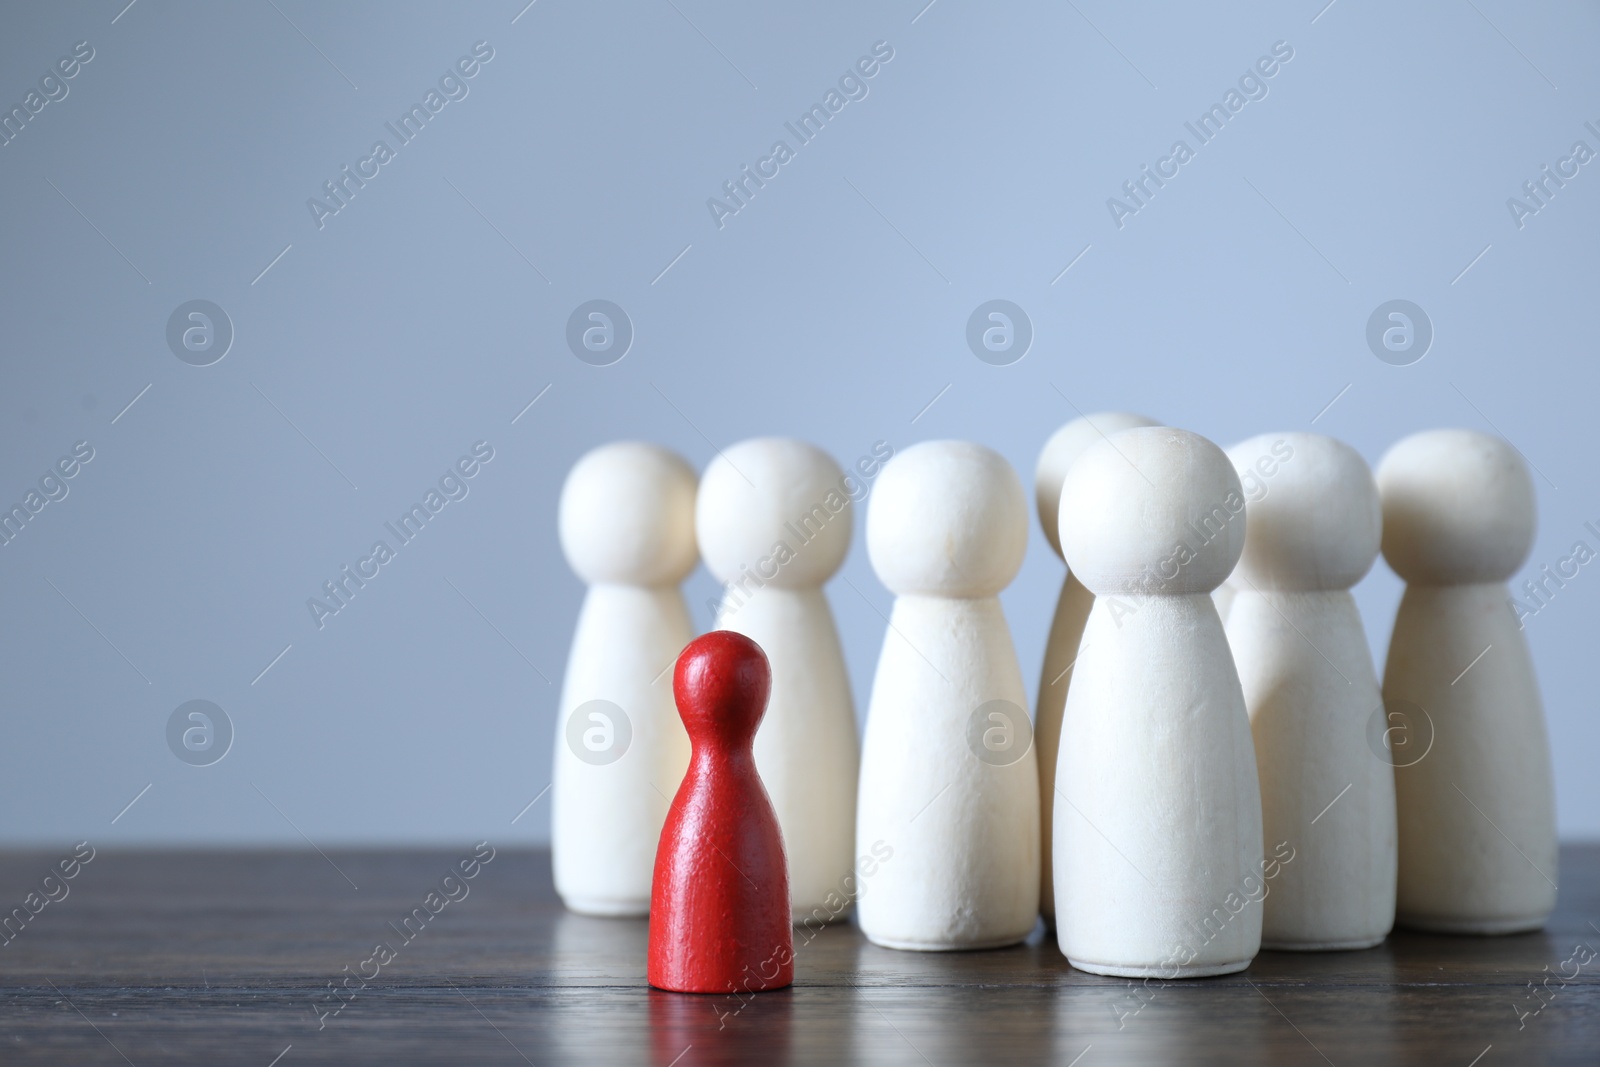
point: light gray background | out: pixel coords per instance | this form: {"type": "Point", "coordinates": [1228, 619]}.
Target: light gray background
{"type": "Point", "coordinates": [379, 348]}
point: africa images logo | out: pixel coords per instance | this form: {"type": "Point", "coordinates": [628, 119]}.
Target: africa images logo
{"type": "Point", "coordinates": [1206, 128]}
{"type": "Point", "coordinates": [852, 85]}
{"type": "Point", "coordinates": [407, 128]}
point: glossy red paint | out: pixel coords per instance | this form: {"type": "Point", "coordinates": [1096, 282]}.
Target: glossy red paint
{"type": "Point", "coordinates": [719, 902]}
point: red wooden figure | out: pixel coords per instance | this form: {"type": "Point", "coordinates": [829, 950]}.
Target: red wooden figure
{"type": "Point", "coordinates": [719, 902]}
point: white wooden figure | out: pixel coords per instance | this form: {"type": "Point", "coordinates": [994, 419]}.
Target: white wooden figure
{"type": "Point", "coordinates": [1158, 807]}
{"type": "Point", "coordinates": [948, 773]}
{"type": "Point", "coordinates": [1477, 804]}
{"type": "Point", "coordinates": [774, 520]}
{"type": "Point", "coordinates": [627, 529]}
{"type": "Point", "coordinates": [1313, 529]}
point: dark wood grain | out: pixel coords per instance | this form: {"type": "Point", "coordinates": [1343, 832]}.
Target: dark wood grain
{"type": "Point", "coordinates": [217, 958]}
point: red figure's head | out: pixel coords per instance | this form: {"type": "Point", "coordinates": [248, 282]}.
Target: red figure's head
{"type": "Point", "coordinates": [721, 684]}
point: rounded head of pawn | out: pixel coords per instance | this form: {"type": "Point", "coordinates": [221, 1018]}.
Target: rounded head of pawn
{"type": "Point", "coordinates": [775, 508]}
{"type": "Point", "coordinates": [627, 515]}
{"type": "Point", "coordinates": [1312, 515]}
{"type": "Point", "coordinates": [1458, 508]}
{"type": "Point", "coordinates": [1061, 451]}
{"type": "Point", "coordinates": [1153, 510]}
{"type": "Point", "coordinates": [721, 684]}
{"type": "Point", "coordinates": [948, 518]}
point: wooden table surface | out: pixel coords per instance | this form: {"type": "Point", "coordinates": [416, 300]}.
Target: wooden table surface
{"type": "Point", "coordinates": [221, 957]}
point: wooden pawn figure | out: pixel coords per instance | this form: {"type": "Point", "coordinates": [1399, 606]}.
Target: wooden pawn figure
{"type": "Point", "coordinates": [1066, 628]}
{"type": "Point", "coordinates": [774, 520]}
{"type": "Point", "coordinates": [1158, 849]}
{"type": "Point", "coordinates": [1312, 531]}
{"type": "Point", "coordinates": [1475, 794]}
{"type": "Point", "coordinates": [948, 774]}
{"type": "Point", "coordinates": [719, 906]}
{"type": "Point", "coordinates": [627, 528]}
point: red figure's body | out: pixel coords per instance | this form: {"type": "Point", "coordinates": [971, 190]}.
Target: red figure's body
{"type": "Point", "coordinates": [719, 903]}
